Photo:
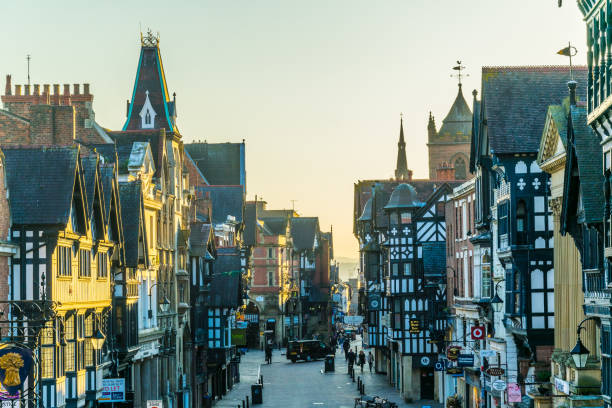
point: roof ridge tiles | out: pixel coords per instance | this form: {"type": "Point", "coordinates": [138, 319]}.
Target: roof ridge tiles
{"type": "Point", "coordinates": [486, 68]}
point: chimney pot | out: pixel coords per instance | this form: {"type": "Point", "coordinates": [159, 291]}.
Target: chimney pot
{"type": "Point", "coordinates": [572, 91]}
{"type": "Point", "coordinates": [36, 89]}
{"type": "Point", "coordinates": [77, 91]}
{"type": "Point", "coordinates": [8, 90]}
{"type": "Point", "coordinates": [26, 89]}
{"type": "Point", "coordinates": [86, 89]}
{"type": "Point", "coordinates": [66, 89]}
{"type": "Point", "coordinates": [17, 89]}
{"type": "Point", "coordinates": [56, 89]}
{"type": "Point", "coordinates": [46, 89]}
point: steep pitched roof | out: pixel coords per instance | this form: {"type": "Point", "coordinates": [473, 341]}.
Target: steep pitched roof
{"type": "Point", "coordinates": [90, 171]}
{"type": "Point", "coordinates": [276, 225]}
{"type": "Point", "coordinates": [131, 209]}
{"type": "Point", "coordinates": [220, 163]}
{"type": "Point", "coordinates": [457, 124]}
{"type": "Point", "coordinates": [226, 200]}
{"type": "Point", "coordinates": [225, 290]}
{"type": "Point", "coordinates": [304, 232]}
{"type": "Point", "coordinates": [590, 163]}
{"type": "Point", "coordinates": [41, 182]}
{"type": "Point", "coordinates": [125, 140]}
{"type": "Point", "coordinates": [515, 101]}
{"type": "Point", "coordinates": [250, 224]}
{"type": "Point", "coordinates": [150, 84]}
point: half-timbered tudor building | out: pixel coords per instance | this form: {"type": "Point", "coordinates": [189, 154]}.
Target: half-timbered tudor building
{"type": "Point", "coordinates": [570, 152]}
{"type": "Point", "coordinates": [65, 251]}
{"type": "Point", "coordinates": [512, 205]}
{"type": "Point", "coordinates": [401, 288]}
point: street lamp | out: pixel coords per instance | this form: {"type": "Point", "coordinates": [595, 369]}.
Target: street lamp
{"type": "Point", "coordinates": [98, 339]}
{"type": "Point", "coordinates": [580, 353]}
{"type": "Point", "coordinates": [497, 303]}
{"type": "Point", "coordinates": [164, 305]}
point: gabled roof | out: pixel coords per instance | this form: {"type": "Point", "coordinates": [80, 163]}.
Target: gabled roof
{"type": "Point", "coordinates": [132, 209]}
{"type": "Point", "coordinates": [90, 173]}
{"type": "Point", "coordinates": [250, 224]}
{"type": "Point", "coordinates": [515, 101]}
{"type": "Point", "coordinates": [41, 182]}
{"type": "Point", "coordinates": [226, 200]}
{"type": "Point", "coordinates": [150, 83]}
{"type": "Point", "coordinates": [200, 238]}
{"type": "Point", "coordinates": [125, 140]}
{"type": "Point", "coordinates": [434, 258]}
{"type": "Point", "coordinates": [304, 231]}
{"type": "Point", "coordinates": [458, 122]}
{"type": "Point", "coordinates": [220, 163]}
{"type": "Point", "coordinates": [276, 225]}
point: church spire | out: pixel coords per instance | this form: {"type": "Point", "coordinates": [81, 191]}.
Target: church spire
{"type": "Point", "coordinates": [401, 169]}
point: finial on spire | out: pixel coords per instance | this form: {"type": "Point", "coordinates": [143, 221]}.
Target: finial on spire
{"type": "Point", "coordinates": [149, 39]}
{"type": "Point", "coordinates": [459, 75]}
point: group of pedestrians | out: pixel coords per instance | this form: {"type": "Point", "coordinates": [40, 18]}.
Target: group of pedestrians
{"type": "Point", "coordinates": [361, 358]}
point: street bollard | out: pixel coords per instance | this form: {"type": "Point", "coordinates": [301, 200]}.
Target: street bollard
{"type": "Point", "coordinates": [247, 398]}
{"type": "Point", "coordinates": [359, 383]}
{"type": "Point", "coordinates": [243, 404]}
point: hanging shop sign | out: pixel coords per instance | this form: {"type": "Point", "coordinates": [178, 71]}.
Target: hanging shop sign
{"type": "Point", "coordinates": [439, 366]}
{"type": "Point", "coordinates": [452, 352]}
{"type": "Point", "coordinates": [487, 353]}
{"type": "Point", "coordinates": [465, 360]}
{"type": "Point", "coordinates": [415, 326]}
{"type": "Point", "coordinates": [498, 385]}
{"type": "Point", "coordinates": [478, 332]}
{"type": "Point", "coordinates": [155, 404]}
{"type": "Point", "coordinates": [374, 301]}
{"type": "Point", "coordinates": [514, 393]}
{"type": "Point", "coordinates": [495, 371]}
{"type": "Point", "coordinates": [15, 367]}
{"type": "Point", "coordinates": [113, 390]}
{"type": "Point", "coordinates": [454, 371]}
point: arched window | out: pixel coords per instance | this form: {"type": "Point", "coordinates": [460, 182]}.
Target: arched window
{"type": "Point", "coordinates": [148, 118]}
{"type": "Point", "coordinates": [460, 173]}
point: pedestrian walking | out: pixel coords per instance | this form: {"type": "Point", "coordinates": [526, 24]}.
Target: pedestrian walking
{"type": "Point", "coordinates": [362, 359]}
{"type": "Point", "coordinates": [346, 346]}
{"type": "Point", "coordinates": [370, 360]}
{"type": "Point", "coordinates": [351, 360]}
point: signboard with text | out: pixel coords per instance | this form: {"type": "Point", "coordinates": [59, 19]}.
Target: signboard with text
{"type": "Point", "coordinates": [113, 390]}
{"type": "Point", "coordinates": [514, 392]}
{"type": "Point", "coordinates": [478, 332]}
{"type": "Point", "coordinates": [465, 360]}
{"type": "Point", "coordinates": [415, 326]}
{"type": "Point", "coordinates": [155, 404]}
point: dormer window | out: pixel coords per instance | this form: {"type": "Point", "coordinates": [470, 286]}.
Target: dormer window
{"type": "Point", "coordinates": [147, 114]}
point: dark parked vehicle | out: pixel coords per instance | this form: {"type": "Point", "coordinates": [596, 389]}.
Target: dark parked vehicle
{"type": "Point", "coordinates": [307, 350]}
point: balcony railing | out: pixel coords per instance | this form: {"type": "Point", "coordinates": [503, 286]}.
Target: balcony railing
{"type": "Point", "coordinates": [595, 283]}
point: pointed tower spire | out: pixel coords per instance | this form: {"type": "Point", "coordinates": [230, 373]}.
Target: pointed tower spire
{"type": "Point", "coordinates": [150, 106]}
{"type": "Point", "coordinates": [401, 169]}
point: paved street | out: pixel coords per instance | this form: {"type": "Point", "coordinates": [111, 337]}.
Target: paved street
{"type": "Point", "coordinates": [305, 384]}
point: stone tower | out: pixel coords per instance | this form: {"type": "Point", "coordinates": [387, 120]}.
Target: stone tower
{"type": "Point", "coordinates": [452, 143]}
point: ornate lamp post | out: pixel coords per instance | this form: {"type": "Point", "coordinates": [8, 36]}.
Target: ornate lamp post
{"type": "Point", "coordinates": [580, 353]}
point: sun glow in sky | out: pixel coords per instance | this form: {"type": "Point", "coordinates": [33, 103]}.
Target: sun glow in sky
{"type": "Point", "coordinates": [314, 87]}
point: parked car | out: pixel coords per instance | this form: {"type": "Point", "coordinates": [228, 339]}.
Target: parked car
{"type": "Point", "coordinates": [307, 350]}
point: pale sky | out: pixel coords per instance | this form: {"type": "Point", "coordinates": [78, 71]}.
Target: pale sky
{"type": "Point", "coordinates": [314, 86]}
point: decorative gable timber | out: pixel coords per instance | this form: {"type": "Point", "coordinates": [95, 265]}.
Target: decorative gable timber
{"type": "Point", "coordinates": [551, 155]}
{"type": "Point", "coordinates": [147, 114]}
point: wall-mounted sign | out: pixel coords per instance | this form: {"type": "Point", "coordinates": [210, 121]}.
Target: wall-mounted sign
{"type": "Point", "coordinates": [498, 385]}
{"type": "Point", "coordinates": [495, 371]}
{"type": "Point", "coordinates": [454, 371]}
{"type": "Point", "coordinates": [155, 404]}
{"type": "Point", "coordinates": [452, 352]}
{"type": "Point", "coordinates": [415, 326]}
{"type": "Point", "coordinates": [113, 390]}
{"type": "Point", "coordinates": [562, 386]}
{"type": "Point", "coordinates": [425, 361]}
{"type": "Point", "coordinates": [465, 360]}
{"type": "Point", "coordinates": [439, 366]}
{"type": "Point", "coordinates": [478, 332]}
{"type": "Point", "coordinates": [259, 298]}
{"type": "Point", "coordinates": [487, 353]}
{"type": "Point", "coordinates": [15, 367]}
{"type": "Point", "coordinates": [374, 301]}
{"type": "Point", "coordinates": [514, 393]}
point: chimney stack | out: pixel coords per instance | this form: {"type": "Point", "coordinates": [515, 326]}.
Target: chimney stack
{"type": "Point", "coordinates": [46, 89]}
{"type": "Point", "coordinates": [17, 90]}
{"type": "Point", "coordinates": [572, 92]}
{"type": "Point", "coordinates": [86, 89]}
{"type": "Point", "coordinates": [67, 89]}
{"type": "Point", "coordinates": [36, 89]}
{"type": "Point", "coordinates": [445, 172]}
{"type": "Point", "coordinates": [56, 89]}
{"type": "Point", "coordinates": [77, 90]}
{"type": "Point", "coordinates": [8, 89]}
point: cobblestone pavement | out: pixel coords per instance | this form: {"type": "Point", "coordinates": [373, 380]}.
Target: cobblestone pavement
{"type": "Point", "coordinates": [305, 384]}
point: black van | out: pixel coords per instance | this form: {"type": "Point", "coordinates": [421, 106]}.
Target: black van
{"type": "Point", "coordinates": [307, 350]}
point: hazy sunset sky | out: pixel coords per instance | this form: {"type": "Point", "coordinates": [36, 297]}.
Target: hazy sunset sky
{"type": "Point", "coordinates": [315, 87]}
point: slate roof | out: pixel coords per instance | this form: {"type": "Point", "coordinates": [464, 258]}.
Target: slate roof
{"type": "Point", "coordinates": [434, 258]}
{"type": "Point", "coordinates": [276, 225]}
{"type": "Point", "coordinates": [220, 163]}
{"type": "Point", "coordinates": [590, 163]}
{"type": "Point", "coordinates": [151, 79]}
{"type": "Point", "coordinates": [130, 195]}
{"type": "Point", "coordinates": [515, 101]}
{"type": "Point", "coordinates": [41, 182]}
{"type": "Point", "coordinates": [304, 231]}
{"type": "Point", "coordinates": [458, 122]}
{"type": "Point", "coordinates": [90, 166]}
{"type": "Point", "coordinates": [107, 174]}
{"type": "Point", "coordinates": [226, 200]}
{"type": "Point", "coordinates": [403, 196]}
{"type": "Point", "coordinates": [125, 140]}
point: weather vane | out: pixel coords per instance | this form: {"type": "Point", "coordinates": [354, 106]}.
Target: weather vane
{"type": "Point", "coordinates": [569, 51]}
{"type": "Point", "coordinates": [459, 75]}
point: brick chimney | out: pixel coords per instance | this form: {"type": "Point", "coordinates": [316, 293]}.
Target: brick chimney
{"type": "Point", "coordinates": [8, 89]}
{"type": "Point", "coordinates": [445, 172]}
{"type": "Point", "coordinates": [52, 125]}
